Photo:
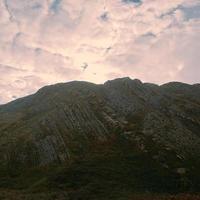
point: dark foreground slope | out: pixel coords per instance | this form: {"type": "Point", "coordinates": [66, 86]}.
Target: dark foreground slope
{"type": "Point", "coordinates": [102, 141]}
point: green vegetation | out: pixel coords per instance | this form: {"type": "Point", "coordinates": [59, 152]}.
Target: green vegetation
{"type": "Point", "coordinates": [110, 172]}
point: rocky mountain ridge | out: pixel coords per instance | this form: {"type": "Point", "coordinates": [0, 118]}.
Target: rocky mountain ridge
{"type": "Point", "coordinates": [66, 122]}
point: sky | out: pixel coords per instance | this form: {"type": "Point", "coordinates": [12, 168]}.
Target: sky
{"type": "Point", "coordinates": [44, 42]}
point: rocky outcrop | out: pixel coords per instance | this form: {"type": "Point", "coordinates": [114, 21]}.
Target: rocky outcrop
{"type": "Point", "coordinates": [61, 122]}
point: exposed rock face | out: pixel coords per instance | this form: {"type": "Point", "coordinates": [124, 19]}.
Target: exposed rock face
{"type": "Point", "coordinates": [61, 122]}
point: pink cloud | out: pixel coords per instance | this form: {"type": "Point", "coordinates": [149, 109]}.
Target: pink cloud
{"type": "Point", "coordinates": [44, 43]}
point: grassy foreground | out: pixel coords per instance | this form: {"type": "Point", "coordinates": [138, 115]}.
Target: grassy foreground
{"type": "Point", "coordinates": [61, 195]}
{"type": "Point", "coordinates": [116, 173]}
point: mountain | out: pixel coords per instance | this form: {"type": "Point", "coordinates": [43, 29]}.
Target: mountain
{"type": "Point", "coordinates": [123, 135]}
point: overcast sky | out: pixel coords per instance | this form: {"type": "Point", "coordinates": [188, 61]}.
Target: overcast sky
{"type": "Point", "coordinates": [48, 41]}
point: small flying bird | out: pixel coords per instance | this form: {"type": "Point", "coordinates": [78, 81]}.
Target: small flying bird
{"type": "Point", "coordinates": [108, 49]}
{"type": "Point", "coordinates": [84, 66]}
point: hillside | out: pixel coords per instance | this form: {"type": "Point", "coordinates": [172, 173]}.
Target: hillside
{"type": "Point", "coordinates": [123, 136]}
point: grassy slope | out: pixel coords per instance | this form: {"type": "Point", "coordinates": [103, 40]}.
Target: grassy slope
{"type": "Point", "coordinates": [117, 170]}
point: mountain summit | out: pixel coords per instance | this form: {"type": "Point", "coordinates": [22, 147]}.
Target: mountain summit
{"type": "Point", "coordinates": [148, 132]}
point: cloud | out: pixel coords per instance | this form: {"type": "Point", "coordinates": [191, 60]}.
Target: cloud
{"type": "Point", "coordinates": [47, 41]}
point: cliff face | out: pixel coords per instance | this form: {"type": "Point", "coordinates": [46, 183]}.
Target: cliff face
{"type": "Point", "coordinates": [64, 122]}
